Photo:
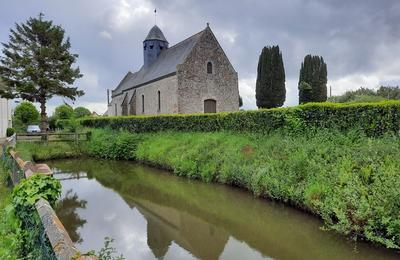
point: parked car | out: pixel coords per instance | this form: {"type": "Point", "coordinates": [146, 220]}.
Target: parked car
{"type": "Point", "coordinates": [33, 129]}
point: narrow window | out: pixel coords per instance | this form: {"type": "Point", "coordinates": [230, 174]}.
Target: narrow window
{"type": "Point", "coordinates": [151, 47]}
{"type": "Point", "coordinates": [161, 47]}
{"type": "Point", "coordinates": [115, 106]}
{"type": "Point", "coordinates": [142, 104]}
{"type": "Point", "coordinates": [159, 101]}
{"type": "Point", "coordinates": [209, 67]}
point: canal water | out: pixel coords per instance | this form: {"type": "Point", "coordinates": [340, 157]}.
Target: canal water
{"type": "Point", "coordinates": [152, 214]}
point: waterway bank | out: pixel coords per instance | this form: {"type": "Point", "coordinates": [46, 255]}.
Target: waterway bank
{"type": "Point", "coordinates": [151, 213]}
{"type": "Point", "coordinates": [349, 180]}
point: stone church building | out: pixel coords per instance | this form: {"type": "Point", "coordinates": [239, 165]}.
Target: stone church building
{"type": "Point", "coordinates": [193, 76]}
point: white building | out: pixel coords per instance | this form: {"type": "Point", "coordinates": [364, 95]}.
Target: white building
{"type": "Point", "coordinates": [5, 116]}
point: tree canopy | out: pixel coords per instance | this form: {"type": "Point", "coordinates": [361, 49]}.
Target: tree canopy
{"type": "Point", "coordinates": [26, 113]}
{"type": "Point", "coordinates": [81, 112]}
{"type": "Point", "coordinates": [312, 80]}
{"type": "Point", "coordinates": [64, 112]}
{"type": "Point", "coordinates": [37, 65]}
{"type": "Point", "coordinates": [368, 95]}
{"type": "Point", "coordinates": [270, 85]}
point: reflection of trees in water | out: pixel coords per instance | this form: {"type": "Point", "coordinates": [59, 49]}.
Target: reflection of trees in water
{"type": "Point", "coordinates": [67, 213]}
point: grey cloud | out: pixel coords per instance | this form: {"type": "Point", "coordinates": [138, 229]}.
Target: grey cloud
{"type": "Point", "coordinates": [355, 37]}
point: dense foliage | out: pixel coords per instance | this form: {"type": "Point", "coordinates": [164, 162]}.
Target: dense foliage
{"type": "Point", "coordinates": [24, 197]}
{"type": "Point", "coordinates": [64, 112]}
{"type": "Point", "coordinates": [368, 95]}
{"type": "Point", "coordinates": [37, 65]}
{"type": "Point", "coordinates": [81, 112]}
{"type": "Point", "coordinates": [25, 114]}
{"type": "Point", "coordinates": [373, 118]}
{"type": "Point", "coordinates": [10, 131]}
{"type": "Point", "coordinates": [10, 232]}
{"type": "Point", "coordinates": [270, 85]}
{"type": "Point", "coordinates": [313, 71]}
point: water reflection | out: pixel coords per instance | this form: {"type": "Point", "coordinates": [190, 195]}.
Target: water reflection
{"type": "Point", "coordinates": [152, 214]}
{"type": "Point", "coordinates": [71, 219]}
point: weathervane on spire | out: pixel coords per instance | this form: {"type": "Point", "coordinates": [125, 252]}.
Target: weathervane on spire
{"type": "Point", "coordinates": [155, 16]}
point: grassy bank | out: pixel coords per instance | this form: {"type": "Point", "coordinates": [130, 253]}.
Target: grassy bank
{"type": "Point", "coordinates": [10, 234]}
{"type": "Point", "coordinates": [351, 181]}
{"type": "Point", "coordinates": [34, 151]}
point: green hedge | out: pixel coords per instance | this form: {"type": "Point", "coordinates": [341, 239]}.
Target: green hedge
{"type": "Point", "coordinates": [374, 118]}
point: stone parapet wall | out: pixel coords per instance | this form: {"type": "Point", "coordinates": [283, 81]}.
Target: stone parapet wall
{"type": "Point", "coordinates": [61, 243]}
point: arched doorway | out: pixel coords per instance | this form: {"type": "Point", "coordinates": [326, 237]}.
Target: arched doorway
{"type": "Point", "coordinates": [210, 106]}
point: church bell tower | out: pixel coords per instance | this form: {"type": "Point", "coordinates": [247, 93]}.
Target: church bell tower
{"type": "Point", "coordinates": [153, 45]}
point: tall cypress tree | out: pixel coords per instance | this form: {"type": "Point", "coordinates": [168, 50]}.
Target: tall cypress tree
{"type": "Point", "coordinates": [37, 65]}
{"type": "Point", "coordinates": [312, 80]}
{"type": "Point", "coordinates": [270, 85]}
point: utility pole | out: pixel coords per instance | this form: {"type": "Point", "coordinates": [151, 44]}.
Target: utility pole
{"type": "Point", "coordinates": [108, 97]}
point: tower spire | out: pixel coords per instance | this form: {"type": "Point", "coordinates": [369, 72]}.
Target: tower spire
{"type": "Point", "coordinates": [155, 16]}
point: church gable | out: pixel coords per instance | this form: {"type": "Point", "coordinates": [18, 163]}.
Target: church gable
{"type": "Point", "coordinates": [207, 81]}
{"type": "Point", "coordinates": [209, 54]}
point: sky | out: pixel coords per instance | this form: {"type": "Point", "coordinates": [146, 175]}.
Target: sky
{"type": "Point", "coordinates": [358, 39]}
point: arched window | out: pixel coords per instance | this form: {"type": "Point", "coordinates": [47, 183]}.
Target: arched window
{"type": "Point", "coordinates": [159, 100]}
{"type": "Point", "coordinates": [209, 68]}
{"type": "Point", "coordinates": [210, 106]}
{"type": "Point", "coordinates": [142, 104]}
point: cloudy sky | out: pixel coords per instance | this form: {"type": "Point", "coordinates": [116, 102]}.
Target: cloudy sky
{"type": "Point", "coordinates": [359, 39]}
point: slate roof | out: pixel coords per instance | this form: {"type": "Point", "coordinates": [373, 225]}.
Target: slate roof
{"type": "Point", "coordinates": [156, 34]}
{"type": "Point", "coordinates": [164, 66]}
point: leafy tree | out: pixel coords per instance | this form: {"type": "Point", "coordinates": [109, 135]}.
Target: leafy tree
{"type": "Point", "coordinates": [270, 85]}
{"type": "Point", "coordinates": [313, 71]}
{"type": "Point", "coordinates": [81, 112]}
{"type": "Point", "coordinates": [64, 112]}
{"type": "Point", "coordinates": [24, 114]}
{"type": "Point", "coordinates": [240, 101]}
{"type": "Point", "coordinates": [389, 92]}
{"type": "Point", "coordinates": [37, 64]}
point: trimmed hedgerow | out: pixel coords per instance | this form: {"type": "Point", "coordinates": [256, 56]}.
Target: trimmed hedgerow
{"type": "Point", "coordinates": [374, 119]}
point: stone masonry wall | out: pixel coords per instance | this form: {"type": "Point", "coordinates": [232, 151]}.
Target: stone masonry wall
{"type": "Point", "coordinates": [195, 85]}
{"type": "Point", "coordinates": [168, 88]}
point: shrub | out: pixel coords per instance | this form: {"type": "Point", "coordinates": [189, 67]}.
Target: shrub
{"type": "Point", "coordinates": [10, 131]}
{"type": "Point", "coordinates": [374, 119]}
{"type": "Point", "coordinates": [69, 125]}
{"type": "Point", "coordinates": [119, 146]}
{"type": "Point", "coordinates": [24, 197]}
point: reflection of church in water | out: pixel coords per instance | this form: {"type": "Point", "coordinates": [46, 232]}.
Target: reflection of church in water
{"type": "Point", "coordinates": [166, 225]}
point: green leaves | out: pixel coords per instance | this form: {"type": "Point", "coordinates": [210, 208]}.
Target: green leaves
{"type": "Point", "coordinates": [28, 191]}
